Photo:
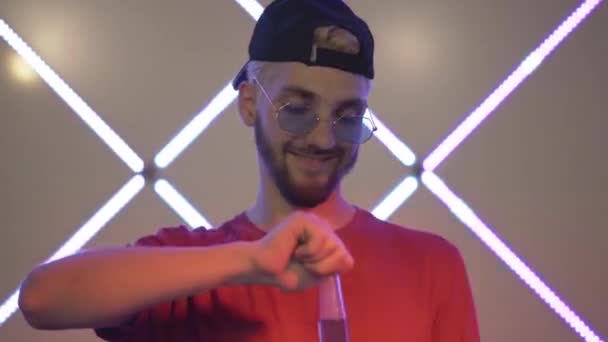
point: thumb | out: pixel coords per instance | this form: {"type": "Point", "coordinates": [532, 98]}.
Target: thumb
{"type": "Point", "coordinates": [288, 279]}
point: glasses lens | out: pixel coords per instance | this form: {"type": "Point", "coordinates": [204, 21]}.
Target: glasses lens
{"type": "Point", "coordinates": [297, 120]}
{"type": "Point", "coordinates": [354, 130]}
{"type": "Point", "coordinates": [348, 129]}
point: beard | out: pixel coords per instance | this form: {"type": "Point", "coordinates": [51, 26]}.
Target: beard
{"type": "Point", "coordinates": [299, 196]}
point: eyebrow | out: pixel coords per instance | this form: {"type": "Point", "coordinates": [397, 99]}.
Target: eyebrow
{"type": "Point", "coordinates": [292, 90]}
{"type": "Point", "coordinates": [305, 94]}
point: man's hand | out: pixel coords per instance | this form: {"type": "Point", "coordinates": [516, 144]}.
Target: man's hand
{"type": "Point", "coordinates": [299, 252]}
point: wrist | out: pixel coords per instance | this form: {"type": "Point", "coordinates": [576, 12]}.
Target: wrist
{"type": "Point", "coordinates": [244, 254]}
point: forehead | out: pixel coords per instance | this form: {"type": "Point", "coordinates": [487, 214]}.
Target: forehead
{"type": "Point", "coordinates": [327, 84]}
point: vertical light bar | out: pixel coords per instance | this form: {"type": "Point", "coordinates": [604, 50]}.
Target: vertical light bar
{"type": "Point", "coordinates": [84, 233]}
{"type": "Point", "coordinates": [395, 198]}
{"type": "Point", "coordinates": [529, 65]}
{"type": "Point", "coordinates": [195, 127]}
{"type": "Point", "coordinates": [465, 214]}
{"type": "Point", "coordinates": [180, 205]}
{"type": "Point", "coordinates": [115, 142]}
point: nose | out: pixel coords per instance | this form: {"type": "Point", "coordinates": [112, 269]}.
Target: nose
{"type": "Point", "coordinates": [322, 135]}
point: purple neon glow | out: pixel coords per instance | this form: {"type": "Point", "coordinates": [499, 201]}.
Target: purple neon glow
{"type": "Point", "coordinates": [465, 214]}
{"type": "Point", "coordinates": [529, 65]}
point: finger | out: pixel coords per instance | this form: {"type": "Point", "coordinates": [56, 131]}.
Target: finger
{"type": "Point", "coordinates": [338, 261]}
{"type": "Point", "coordinates": [309, 254]}
{"type": "Point", "coordinates": [311, 243]}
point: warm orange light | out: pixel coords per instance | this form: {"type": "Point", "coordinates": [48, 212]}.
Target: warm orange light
{"type": "Point", "coordinates": [20, 70]}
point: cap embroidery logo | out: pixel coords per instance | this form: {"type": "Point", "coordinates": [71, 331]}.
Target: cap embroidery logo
{"type": "Point", "coordinates": [334, 38]}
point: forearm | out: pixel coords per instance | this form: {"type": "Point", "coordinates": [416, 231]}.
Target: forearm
{"type": "Point", "coordinates": [105, 287]}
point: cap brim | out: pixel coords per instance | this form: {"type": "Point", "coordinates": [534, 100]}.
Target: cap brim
{"type": "Point", "coordinates": [240, 77]}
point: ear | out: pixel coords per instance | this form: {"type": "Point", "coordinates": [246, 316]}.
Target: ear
{"type": "Point", "coordinates": [247, 102]}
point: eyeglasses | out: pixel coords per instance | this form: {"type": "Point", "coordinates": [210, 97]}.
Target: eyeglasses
{"type": "Point", "coordinates": [300, 120]}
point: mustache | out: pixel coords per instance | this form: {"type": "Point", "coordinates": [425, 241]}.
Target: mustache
{"type": "Point", "coordinates": [314, 151]}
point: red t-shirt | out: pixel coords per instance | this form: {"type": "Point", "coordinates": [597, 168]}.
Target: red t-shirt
{"type": "Point", "coordinates": [406, 285]}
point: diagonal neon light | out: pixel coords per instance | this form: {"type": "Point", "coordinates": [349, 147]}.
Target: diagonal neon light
{"type": "Point", "coordinates": [395, 145]}
{"type": "Point", "coordinates": [460, 209]}
{"type": "Point", "coordinates": [84, 233]}
{"type": "Point", "coordinates": [180, 205]}
{"type": "Point", "coordinates": [530, 64]}
{"type": "Point", "coordinates": [396, 198]}
{"type": "Point", "coordinates": [527, 66]}
{"type": "Point", "coordinates": [195, 127]}
{"type": "Point", "coordinates": [254, 8]}
{"type": "Point", "coordinates": [115, 142]}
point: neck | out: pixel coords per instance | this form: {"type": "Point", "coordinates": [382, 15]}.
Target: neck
{"type": "Point", "coordinates": [270, 208]}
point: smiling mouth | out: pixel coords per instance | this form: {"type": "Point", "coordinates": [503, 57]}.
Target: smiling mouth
{"type": "Point", "coordinates": [320, 157]}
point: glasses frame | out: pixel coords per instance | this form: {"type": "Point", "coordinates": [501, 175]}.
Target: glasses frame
{"type": "Point", "coordinates": [277, 111]}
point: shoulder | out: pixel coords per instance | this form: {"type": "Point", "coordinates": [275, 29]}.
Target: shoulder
{"type": "Point", "coordinates": [404, 240]}
{"type": "Point", "coordinates": [182, 235]}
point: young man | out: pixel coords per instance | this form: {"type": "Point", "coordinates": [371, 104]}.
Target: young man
{"type": "Point", "coordinates": [263, 275]}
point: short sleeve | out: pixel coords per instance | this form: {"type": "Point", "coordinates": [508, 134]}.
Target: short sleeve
{"type": "Point", "coordinates": [168, 236]}
{"type": "Point", "coordinates": [148, 324]}
{"type": "Point", "coordinates": [455, 314]}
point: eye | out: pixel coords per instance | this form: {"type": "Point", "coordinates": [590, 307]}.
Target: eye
{"type": "Point", "coordinates": [351, 114]}
{"type": "Point", "coordinates": [352, 120]}
{"type": "Point", "coordinates": [296, 109]}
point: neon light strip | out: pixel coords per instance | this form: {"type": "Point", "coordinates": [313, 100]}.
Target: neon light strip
{"type": "Point", "coordinates": [84, 233]}
{"type": "Point", "coordinates": [195, 127]}
{"type": "Point", "coordinates": [252, 7]}
{"type": "Point", "coordinates": [180, 205]}
{"type": "Point", "coordinates": [529, 65]}
{"type": "Point", "coordinates": [397, 147]}
{"type": "Point", "coordinates": [9, 307]}
{"type": "Point", "coordinates": [465, 214]}
{"type": "Point", "coordinates": [116, 144]}
{"type": "Point", "coordinates": [396, 198]}
{"type": "Point", "coordinates": [466, 128]}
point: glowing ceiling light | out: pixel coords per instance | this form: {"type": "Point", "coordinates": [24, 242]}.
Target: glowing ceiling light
{"type": "Point", "coordinates": [529, 65]}
{"type": "Point", "coordinates": [115, 142]}
{"type": "Point", "coordinates": [84, 233]}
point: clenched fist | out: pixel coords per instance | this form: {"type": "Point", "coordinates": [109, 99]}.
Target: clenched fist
{"type": "Point", "coordinates": [299, 252]}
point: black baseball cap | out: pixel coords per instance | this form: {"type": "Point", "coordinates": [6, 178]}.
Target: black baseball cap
{"type": "Point", "coordinates": [285, 32]}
